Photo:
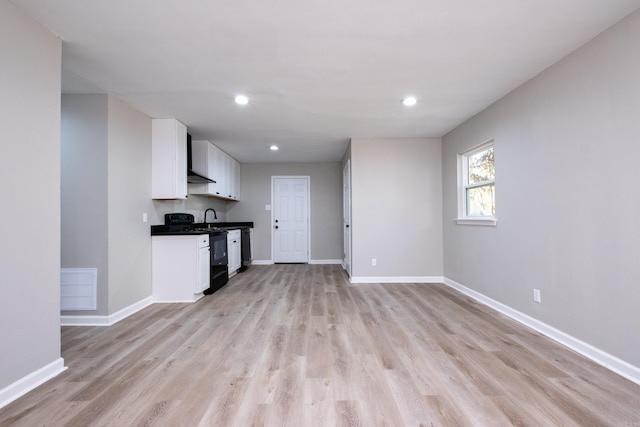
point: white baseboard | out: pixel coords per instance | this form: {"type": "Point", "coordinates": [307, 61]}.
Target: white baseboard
{"type": "Point", "coordinates": [326, 261]}
{"type": "Point", "coordinates": [607, 360]}
{"type": "Point", "coordinates": [83, 320]}
{"type": "Point", "coordinates": [398, 279]}
{"type": "Point", "coordinates": [31, 381]}
{"type": "Point", "coordinates": [313, 261]}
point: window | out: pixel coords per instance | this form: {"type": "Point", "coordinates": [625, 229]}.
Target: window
{"type": "Point", "coordinates": [477, 188]}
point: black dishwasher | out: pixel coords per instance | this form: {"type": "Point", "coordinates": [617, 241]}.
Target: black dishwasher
{"type": "Point", "coordinates": [245, 248]}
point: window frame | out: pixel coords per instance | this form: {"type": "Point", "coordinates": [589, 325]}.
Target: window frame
{"type": "Point", "coordinates": [463, 185]}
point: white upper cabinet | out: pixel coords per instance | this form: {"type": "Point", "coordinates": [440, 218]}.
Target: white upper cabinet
{"type": "Point", "coordinates": [203, 157]}
{"type": "Point", "coordinates": [234, 180]}
{"type": "Point", "coordinates": [215, 164]}
{"type": "Point", "coordinates": [168, 159]}
{"type": "Point", "coordinates": [200, 152]}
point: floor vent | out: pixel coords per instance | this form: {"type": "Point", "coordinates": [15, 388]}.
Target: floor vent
{"type": "Point", "coordinates": [78, 288]}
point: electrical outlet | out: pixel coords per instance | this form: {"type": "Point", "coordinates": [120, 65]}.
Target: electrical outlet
{"type": "Point", "coordinates": [536, 296]}
{"type": "Point", "coordinates": [145, 217]}
{"type": "Point", "coordinates": [374, 262]}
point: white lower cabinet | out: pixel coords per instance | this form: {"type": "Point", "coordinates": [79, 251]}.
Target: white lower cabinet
{"type": "Point", "coordinates": [234, 251]}
{"type": "Point", "coordinates": [180, 267]}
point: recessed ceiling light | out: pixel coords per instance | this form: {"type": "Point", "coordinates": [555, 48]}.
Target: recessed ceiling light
{"type": "Point", "coordinates": [241, 100]}
{"type": "Point", "coordinates": [273, 148]}
{"type": "Point", "coordinates": [409, 101]}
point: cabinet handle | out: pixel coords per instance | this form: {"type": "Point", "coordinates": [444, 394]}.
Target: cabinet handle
{"type": "Point", "coordinates": [276, 227]}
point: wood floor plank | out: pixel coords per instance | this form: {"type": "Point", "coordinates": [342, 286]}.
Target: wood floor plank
{"type": "Point", "coordinates": [298, 345]}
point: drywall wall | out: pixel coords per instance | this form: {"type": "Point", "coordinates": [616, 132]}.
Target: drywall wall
{"type": "Point", "coordinates": [325, 213]}
{"type": "Point", "coordinates": [30, 187]}
{"type": "Point", "coordinates": [106, 181]}
{"type": "Point", "coordinates": [195, 205]}
{"type": "Point", "coordinates": [396, 197]}
{"type": "Point", "coordinates": [566, 156]}
{"type": "Point", "coordinates": [84, 198]}
{"type": "Point", "coordinates": [129, 195]}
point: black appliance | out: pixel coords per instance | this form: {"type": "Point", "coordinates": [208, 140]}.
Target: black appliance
{"type": "Point", "coordinates": [193, 177]}
{"type": "Point", "coordinates": [184, 223]}
{"type": "Point", "coordinates": [219, 261]}
{"type": "Point", "coordinates": [245, 248]}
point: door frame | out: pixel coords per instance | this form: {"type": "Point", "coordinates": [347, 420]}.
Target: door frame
{"type": "Point", "coordinates": [273, 205]}
{"type": "Point", "coordinates": [346, 226]}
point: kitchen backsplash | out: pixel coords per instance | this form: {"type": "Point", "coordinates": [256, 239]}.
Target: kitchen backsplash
{"type": "Point", "coordinates": [194, 205]}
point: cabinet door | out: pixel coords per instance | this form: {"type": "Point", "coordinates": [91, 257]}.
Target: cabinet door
{"type": "Point", "coordinates": [233, 244]}
{"type": "Point", "coordinates": [199, 157]}
{"type": "Point", "coordinates": [210, 161]}
{"type": "Point", "coordinates": [204, 269]}
{"type": "Point", "coordinates": [222, 188]}
{"type": "Point", "coordinates": [235, 179]}
{"type": "Point", "coordinates": [202, 162]}
{"type": "Point", "coordinates": [176, 271]}
{"type": "Point", "coordinates": [168, 159]}
{"type": "Point", "coordinates": [228, 176]}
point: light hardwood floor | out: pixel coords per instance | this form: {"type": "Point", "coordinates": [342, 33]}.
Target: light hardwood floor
{"type": "Point", "coordinates": [297, 345]}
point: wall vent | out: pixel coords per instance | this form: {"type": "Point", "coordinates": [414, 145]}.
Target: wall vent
{"type": "Point", "coordinates": [78, 288]}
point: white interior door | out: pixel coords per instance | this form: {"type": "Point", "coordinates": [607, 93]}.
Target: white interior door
{"type": "Point", "coordinates": [291, 219]}
{"type": "Point", "coordinates": [346, 222]}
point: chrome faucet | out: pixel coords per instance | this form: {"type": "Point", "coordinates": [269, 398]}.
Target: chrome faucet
{"type": "Point", "coordinates": [215, 215]}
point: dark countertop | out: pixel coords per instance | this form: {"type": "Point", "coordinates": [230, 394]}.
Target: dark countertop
{"type": "Point", "coordinates": [198, 228]}
{"type": "Point", "coordinates": [232, 225]}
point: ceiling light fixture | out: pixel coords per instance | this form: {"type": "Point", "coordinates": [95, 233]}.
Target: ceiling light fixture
{"type": "Point", "coordinates": [273, 148]}
{"type": "Point", "coordinates": [409, 101]}
{"type": "Point", "coordinates": [241, 100]}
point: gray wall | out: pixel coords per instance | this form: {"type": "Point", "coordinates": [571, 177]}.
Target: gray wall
{"type": "Point", "coordinates": [84, 199]}
{"type": "Point", "coordinates": [396, 207]}
{"type": "Point", "coordinates": [30, 188]}
{"type": "Point", "coordinates": [326, 205]}
{"type": "Point", "coordinates": [566, 153]}
{"type": "Point", "coordinates": [195, 205]}
{"type": "Point", "coordinates": [129, 192]}
{"type": "Point", "coordinates": [106, 187]}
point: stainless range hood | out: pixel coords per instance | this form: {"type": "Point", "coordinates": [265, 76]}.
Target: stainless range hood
{"type": "Point", "coordinates": [194, 177]}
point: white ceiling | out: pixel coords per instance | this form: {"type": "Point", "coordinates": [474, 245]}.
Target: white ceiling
{"type": "Point", "coordinates": [317, 72]}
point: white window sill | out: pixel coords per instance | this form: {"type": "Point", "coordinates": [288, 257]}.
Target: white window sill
{"type": "Point", "coordinates": [486, 221]}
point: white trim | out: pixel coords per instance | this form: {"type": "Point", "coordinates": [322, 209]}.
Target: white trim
{"type": "Point", "coordinates": [326, 261]}
{"type": "Point", "coordinates": [398, 279]}
{"type": "Point", "coordinates": [346, 209]}
{"type": "Point", "coordinates": [195, 298]}
{"type": "Point", "coordinates": [27, 383]}
{"type": "Point", "coordinates": [80, 320]}
{"type": "Point", "coordinates": [486, 221]}
{"type": "Point", "coordinates": [313, 261]}
{"type": "Point", "coordinates": [463, 185]}
{"type": "Point", "coordinates": [607, 360]}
